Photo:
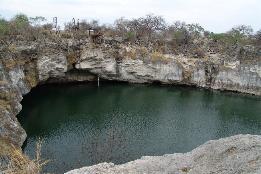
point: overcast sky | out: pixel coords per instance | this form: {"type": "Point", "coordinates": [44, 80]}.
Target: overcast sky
{"type": "Point", "coordinates": [213, 15]}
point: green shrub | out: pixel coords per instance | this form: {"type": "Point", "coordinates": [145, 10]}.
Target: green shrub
{"type": "Point", "coordinates": [4, 27]}
{"type": "Point", "coordinates": [130, 36]}
{"type": "Point", "coordinates": [181, 36]}
{"type": "Point", "coordinates": [20, 21]}
{"type": "Point", "coordinates": [226, 38]}
{"type": "Point", "coordinates": [237, 35]}
{"type": "Point", "coordinates": [19, 24]}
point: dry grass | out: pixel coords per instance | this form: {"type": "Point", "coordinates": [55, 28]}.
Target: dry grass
{"type": "Point", "coordinates": [131, 53]}
{"type": "Point", "coordinates": [31, 78]}
{"type": "Point", "coordinates": [9, 64]}
{"type": "Point", "coordinates": [72, 57]}
{"type": "Point", "coordinates": [158, 57]}
{"type": "Point", "coordinates": [31, 75]}
{"type": "Point", "coordinates": [3, 82]}
{"type": "Point", "coordinates": [19, 163]}
{"type": "Point", "coordinates": [198, 53]}
{"type": "Point", "coordinates": [143, 52]}
{"type": "Point", "coordinates": [66, 35]}
{"type": "Point", "coordinates": [12, 63]}
{"type": "Point", "coordinates": [12, 48]}
{"type": "Point", "coordinates": [5, 104]}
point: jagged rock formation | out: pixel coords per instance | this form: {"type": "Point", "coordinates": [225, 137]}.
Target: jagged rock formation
{"type": "Point", "coordinates": [237, 154]}
{"type": "Point", "coordinates": [23, 65]}
{"type": "Point", "coordinates": [212, 72]}
{"type": "Point", "coordinates": [21, 70]}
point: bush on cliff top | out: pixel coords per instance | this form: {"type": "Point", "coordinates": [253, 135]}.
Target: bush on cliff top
{"type": "Point", "coordinates": [4, 28]}
{"type": "Point", "coordinates": [150, 31]}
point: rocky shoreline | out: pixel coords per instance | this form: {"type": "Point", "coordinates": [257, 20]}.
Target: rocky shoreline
{"type": "Point", "coordinates": [236, 154]}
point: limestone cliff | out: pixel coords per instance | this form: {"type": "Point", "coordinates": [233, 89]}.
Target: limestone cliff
{"type": "Point", "coordinates": [21, 69]}
{"type": "Point", "coordinates": [23, 65]}
{"type": "Point", "coordinates": [211, 72]}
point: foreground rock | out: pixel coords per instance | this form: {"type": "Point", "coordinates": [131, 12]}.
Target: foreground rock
{"type": "Point", "coordinates": [233, 155]}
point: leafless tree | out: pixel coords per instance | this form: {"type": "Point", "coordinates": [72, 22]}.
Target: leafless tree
{"type": "Point", "coordinates": [258, 37]}
{"type": "Point", "coordinates": [242, 30]}
{"type": "Point", "coordinates": [149, 25]}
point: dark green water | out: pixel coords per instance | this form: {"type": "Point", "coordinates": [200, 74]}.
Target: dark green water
{"type": "Point", "coordinates": [85, 125]}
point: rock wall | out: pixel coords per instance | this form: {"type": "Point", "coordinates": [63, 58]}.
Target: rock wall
{"type": "Point", "coordinates": [25, 65]}
{"type": "Point", "coordinates": [19, 73]}
{"type": "Point", "coordinates": [212, 72]}
{"type": "Point", "coordinates": [12, 88]}
{"type": "Point", "coordinates": [237, 154]}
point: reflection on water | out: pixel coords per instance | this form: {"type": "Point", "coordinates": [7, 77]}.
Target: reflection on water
{"type": "Point", "coordinates": [85, 125]}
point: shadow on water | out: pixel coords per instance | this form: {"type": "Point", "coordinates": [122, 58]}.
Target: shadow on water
{"type": "Point", "coordinates": [84, 125]}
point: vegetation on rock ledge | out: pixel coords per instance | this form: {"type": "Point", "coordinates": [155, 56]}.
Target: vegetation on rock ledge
{"type": "Point", "coordinates": [13, 161]}
{"type": "Point", "coordinates": [151, 32]}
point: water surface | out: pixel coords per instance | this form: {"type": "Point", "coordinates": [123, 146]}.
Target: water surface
{"type": "Point", "coordinates": [84, 125]}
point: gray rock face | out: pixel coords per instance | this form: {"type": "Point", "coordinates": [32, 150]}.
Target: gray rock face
{"type": "Point", "coordinates": [233, 155]}
{"type": "Point", "coordinates": [14, 83]}
{"type": "Point", "coordinates": [244, 78]}
{"type": "Point", "coordinates": [11, 88]}
{"type": "Point", "coordinates": [212, 73]}
{"type": "Point", "coordinates": [54, 65]}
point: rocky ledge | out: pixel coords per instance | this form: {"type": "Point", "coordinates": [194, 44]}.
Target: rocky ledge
{"type": "Point", "coordinates": [233, 155]}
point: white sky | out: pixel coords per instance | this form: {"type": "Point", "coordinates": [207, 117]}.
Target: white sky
{"type": "Point", "coordinates": [213, 15]}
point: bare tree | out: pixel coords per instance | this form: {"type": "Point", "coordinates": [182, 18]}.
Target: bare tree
{"type": "Point", "coordinates": [37, 21]}
{"type": "Point", "coordinates": [239, 34]}
{"type": "Point", "coordinates": [258, 37]}
{"type": "Point", "coordinates": [243, 30]}
{"type": "Point", "coordinates": [179, 32]}
{"type": "Point", "coordinates": [121, 26]}
{"type": "Point", "coordinates": [84, 25]}
{"type": "Point", "coordinates": [151, 24]}
{"type": "Point", "coordinates": [140, 29]}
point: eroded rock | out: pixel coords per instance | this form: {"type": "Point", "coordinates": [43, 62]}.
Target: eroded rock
{"type": "Point", "coordinates": [54, 65]}
{"type": "Point", "coordinates": [237, 154]}
{"type": "Point", "coordinates": [207, 73]}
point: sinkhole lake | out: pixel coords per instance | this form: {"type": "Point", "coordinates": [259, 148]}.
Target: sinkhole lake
{"type": "Point", "coordinates": [83, 125]}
